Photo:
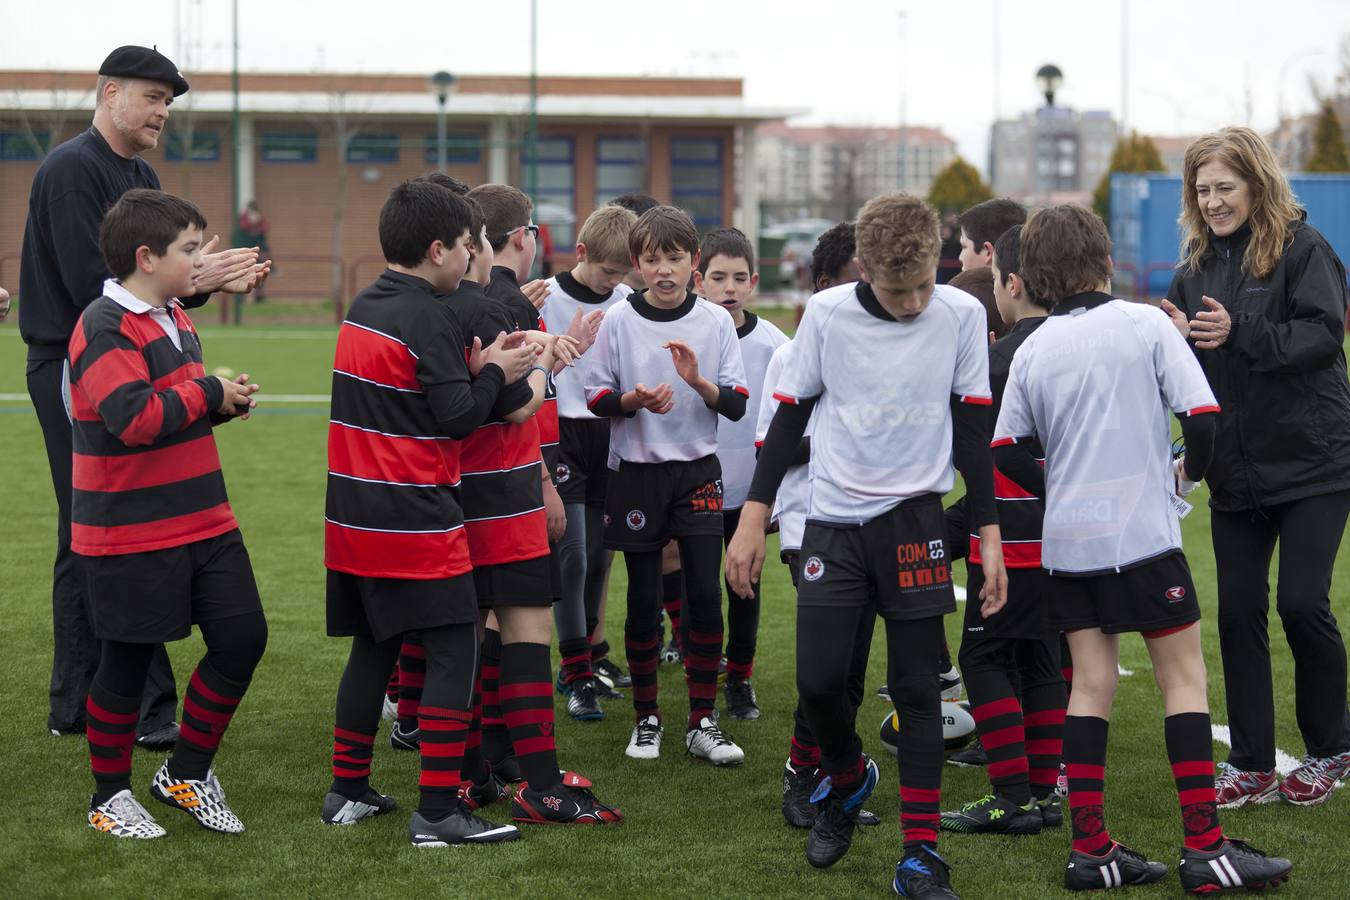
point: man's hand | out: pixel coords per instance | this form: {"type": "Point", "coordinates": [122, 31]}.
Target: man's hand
{"type": "Point", "coordinates": [238, 401]}
{"type": "Point", "coordinates": [1178, 318]}
{"type": "Point", "coordinates": [1211, 326]}
{"type": "Point", "coordinates": [745, 553]}
{"type": "Point", "coordinates": [4, 304]}
{"type": "Point", "coordinates": [553, 510]}
{"type": "Point", "coordinates": [535, 292]}
{"type": "Point", "coordinates": [227, 267]}
{"type": "Point", "coordinates": [250, 282]}
{"type": "Point", "coordinates": [994, 594]}
{"type": "Point", "coordinates": [508, 352]}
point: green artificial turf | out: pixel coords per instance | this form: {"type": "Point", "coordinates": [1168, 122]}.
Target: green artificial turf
{"type": "Point", "coordinates": [691, 830]}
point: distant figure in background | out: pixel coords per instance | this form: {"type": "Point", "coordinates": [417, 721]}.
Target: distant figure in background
{"type": "Point", "coordinates": [949, 257]}
{"type": "Point", "coordinates": [252, 232]}
{"type": "Point", "coordinates": [4, 304]}
{"type": "Point", "coordinates": [979, 283]}
{"type": "Point", "coordinates": [545, 250]}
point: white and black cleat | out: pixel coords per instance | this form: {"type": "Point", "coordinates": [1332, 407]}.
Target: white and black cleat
{"type": "Point", "coordinates": [203, 800]}
{"type": "Point", "coordinates": [338, 810]}
{"type": "Point", "coordinates": [122, 816]}
{"type": "Point", "coordinates": [459, 827]}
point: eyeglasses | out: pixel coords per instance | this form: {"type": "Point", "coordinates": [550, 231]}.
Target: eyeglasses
{"type": "Point", "coordinates": [531, 228]}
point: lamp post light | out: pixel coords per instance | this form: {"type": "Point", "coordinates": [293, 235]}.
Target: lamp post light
{"type": "Point", "coordinates": [1048, 79]}
{"type": "Point", "coordinates": [442, 83]}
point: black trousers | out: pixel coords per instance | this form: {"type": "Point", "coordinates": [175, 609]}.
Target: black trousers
{"type": "Point", "coordinates": [75, 652]}
{"type": "Point", "coordinates": [1309, 534]}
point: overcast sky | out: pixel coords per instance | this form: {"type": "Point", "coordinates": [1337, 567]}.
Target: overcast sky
{"type": "Point", "coordinates": [1192, 66]}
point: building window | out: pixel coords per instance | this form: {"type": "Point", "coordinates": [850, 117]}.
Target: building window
{"type": "Point", "coordinates": [555, 191]}
{"type": "Point", "coordinates": [620, 168]}
{"type": "Point", "coordinates": [462, 148]}
{"type": "Point", "coordinates": [16, 146]}
{"type": "Point", "coordinates": [696, 179]}
{"type": "Point", "coordinates": [290, 147]}
{"type": "Point", "coordinates": [205, 146]}
{"type": "Point", "coordinates": [373, 148]}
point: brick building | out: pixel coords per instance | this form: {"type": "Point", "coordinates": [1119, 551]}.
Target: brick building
{"type": "Point", "coordinates": [308, 145]}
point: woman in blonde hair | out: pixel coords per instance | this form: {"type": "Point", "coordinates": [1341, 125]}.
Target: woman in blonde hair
{"type": "Point", "coordinates": [1262, 296]}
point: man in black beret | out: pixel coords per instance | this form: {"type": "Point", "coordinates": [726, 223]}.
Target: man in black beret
{"type": "Point", "coordinates": [63, 272]}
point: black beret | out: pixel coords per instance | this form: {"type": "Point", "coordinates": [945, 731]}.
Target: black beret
{"type": "Point", "coordinates": [143, 62]}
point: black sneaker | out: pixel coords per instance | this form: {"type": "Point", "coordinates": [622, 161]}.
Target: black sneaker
{"type": "Point", "coordinates": [923, 875]}
{"type": "Point", "coordinates": [836, 815]}
{"type": "Point", "coordinates": [993, 815]}
{"type": "Point", "coordinates": [479, 796]}
{"type": "Point", "coordinates": [583, 704]}
{"type": "Point", "coordinates": [338, 810]}
{"type": "Point", "coordinates": [973, 757]}
{"type": "Point", "coordinates": [405, 740]}
{"type": "Point", "coordinates": [949, 683]}
{"type": "Point", "coordinates": [1235, 864]}
{"type": "Point", "coordinates": [1052, 812]}
{"type": "Point", "coordinates": [741, 699]}
{"type": "Point", "coordinates": [507, 769]}
{"type": "Point", "coordinates": [570, 802]}
{"type": "Point", "coordinates": [160, 740]}
{"type": "Point", "coordinates": [610, 675]}
{"type": "Point", "coordinates": [884, 692]}
{"type": "Point", "coordinates": [867, 818]}
{"type": "Point", "coordinates": [797, 787]}
{"type": "Point", "coordinates": [1121, 867]}
{"type": "Point", "coordinates": [458, 827]}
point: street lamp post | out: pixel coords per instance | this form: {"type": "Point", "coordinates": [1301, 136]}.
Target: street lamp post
{"type": "Point", "coordinates": [442, 83]}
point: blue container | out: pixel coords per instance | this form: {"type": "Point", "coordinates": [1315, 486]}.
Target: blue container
{"type": "Point", "coordinates": [1144, 211]}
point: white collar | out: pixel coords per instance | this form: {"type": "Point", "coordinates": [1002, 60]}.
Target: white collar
{"type": "Point", "coordinates": [113, 290]}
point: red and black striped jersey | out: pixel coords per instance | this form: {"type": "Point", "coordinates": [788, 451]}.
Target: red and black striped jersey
{"type": "Point", "coordinates": [401, 397]}
{"type": "Point", "coordinates": [146, 474]}
{"type": "Point", "coordinates": [502, 286]}
{"type": "Point", "coordinates": [502, 491]}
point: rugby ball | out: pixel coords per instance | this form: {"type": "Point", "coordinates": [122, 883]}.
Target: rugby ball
{"type": "Point", "coordinates": [958, 727]}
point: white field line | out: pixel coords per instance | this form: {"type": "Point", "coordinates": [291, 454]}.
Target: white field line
{"type": "Point", "coordinates": [1284, 763]}
{"type": "Point", "coordinates": [262, 398]}
{"type": "Point", "coordinates": [224, 332]}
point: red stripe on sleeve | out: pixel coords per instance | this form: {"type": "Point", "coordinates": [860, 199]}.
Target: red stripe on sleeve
{"type": "Point", "coordinates": [1204, 409]}
{"type": "Point", "coordinates": [1003, 442]}
{"type": "Point", "coordinates": [784, 398]}
{"type": "Point", "coordinates": [743, 391]}
{"type": "Point", "coordinates": [605, 392]}
{"type": "Point", "coordinates": [978, 401]}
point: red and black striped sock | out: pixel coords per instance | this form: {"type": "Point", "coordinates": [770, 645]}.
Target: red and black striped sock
{"type": "Point", "coordinates": [643, 651]}
{"type": "Point", "coordinates": [1192, 757]}
{"type": "Point", "coordinates": [412, 679]}
{"type": "Point", "coordinates": [1085, 759]}
{"type": "Point", "coordinates": [803, 751]}
{"type": "Point", "coordinates": [527, 704]}
{"type": "Point", "coordinates": [846, 780]}
{"type": "Point", "coordinates": [496, 741]}
{"type": "Point", "coordinates": [208, 705]}
{"type": "Point", "coordinates": [998, 717]}
{"type": "Point", "coordinates": [919, 816]}
{"type": "Point", "coordinates": [110, 727]}
{"type": "Point", "coordinates": [1044, 720]}
{"type": "Point", "coordinates": [576, 659]}
{"type": "Point", "coordinates": [599, 649]}
{"type": "Point", "coordinates": [444, 733]}
{"type": "Point", "coordinates": [351, 762]}
{"type": "Point", "coordinates": [919, 756]}
{"type": "Point", "coordinates": [702, 657]}
{"type": "Point", "coordinates": [391, 689]}
{"type": "Point", "coordinates": [672, 601]}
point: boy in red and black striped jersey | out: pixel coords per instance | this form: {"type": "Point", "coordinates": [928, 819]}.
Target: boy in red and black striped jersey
{"type": "Point", "coordinates": [1011, 659]}
{"type": "Point", "coordinates": [150, 515]}
{"type": "Point", "coordinates": [395, 546]}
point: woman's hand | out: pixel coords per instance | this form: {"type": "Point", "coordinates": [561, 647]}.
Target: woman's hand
{"type": "Point", "coordinates": [1178, 318]}
{"type": "Point", "coordinates": [1211, 326]}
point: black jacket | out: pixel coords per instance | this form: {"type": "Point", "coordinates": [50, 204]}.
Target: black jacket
{"type": "Point", "coordinates": [1280, 378]}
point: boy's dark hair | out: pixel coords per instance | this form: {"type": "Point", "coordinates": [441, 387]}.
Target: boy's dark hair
{"type": "Point", "coordinates": [984, 222]}
{"type": "Point", "coordinates": [834, 249]}
{"type": "Point", "coordinates": [1008, 258]}
{"type": "Point", "coordinates": [663, 228]}
{"type": "Point", "coordinates": [445, 181]}
{"type": "Point", "coordinates": [729, 242]}
{"type": "Point", "coordinates": [979, 283]}
{"type": "Point", "coordinates": [417, 213]}
{"type": "Point", "coordinates": [455, 186]}
{"type": "Point", "coordinates": [505, 209]}
{"type": "Point", "coordinates": [143, 218]}
{"type": "Point", "coordinates": [1065, 251]}
{"type": "Point", "coordinates": [636, 203]}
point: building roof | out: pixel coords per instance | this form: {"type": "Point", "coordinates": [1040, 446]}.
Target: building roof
{"type": "Point", "coordinates": [849, 134]}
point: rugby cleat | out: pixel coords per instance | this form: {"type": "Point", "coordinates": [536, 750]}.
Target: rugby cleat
{"type": "Point", "coordinates": [645, 742]}
{"type": "Point", "coordinates": [1238, 787]}
{"type": "Point", "coordinates": [923, 875]}
{"type": "Point", "coordinates": [161, 740]}
{"type": "Point", "coordinates": [836, 816]}
{"type": "Point", "coordinates": [1120, 867]}
{"type": "Point", "coordinates": [741, 700]}
{"type": "Point", "coordinates": [405, 740]}
{"type": "Point", "coordinates": [973, 757]}
{"type": "Point", "coordinates": [672, 652]}
{"type": "Point", "coordinates": [458, 827]}
{"type": "Point", "coordinates": [993, 815]}
{"type": "Point", "coordinates": [570, 802]}
{"type": "Point", "coordinates": [122, 816]}
{"type": "Point", "coordinates": [506, 769]}
{"type": "Point", "coordinates": [479, 796]}
{"type": "Point", "coordinates": [583, 704]}
{"type": "Point", "coordinates": [610, 674]}
{"type": "Point", "coordinates": [338, 810]}
{"type": "Point", "coordinates": [1052, 812]}
{"type": "Point", "coordinates": [798, 785]}
{"type": "Point", "coordinates": [1235, 864]}
{"type": "Point", "coordinates": [203, 800]}
{"type": "Point", "coordinates": [949, 683]}
{"type": "Point", "coordinates": [389, 712]}
{"type": "Point", "coordinates": [708, 741]}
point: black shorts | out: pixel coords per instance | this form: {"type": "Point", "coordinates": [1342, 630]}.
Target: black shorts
{"type": "Point", "coordinates": [649, 503]}
{"type": "Point", "coordinates": [1023, 616]}
{"type": "Point", "coordinates": [1033, 662]}
{"type": "Point", "coordinates": [527, 582]}
{"type": "Point", "coordinates": [582, 472]}
{"type": "Point", "coordinates": [897, 560]}
{"type": "Point", "coordinates": [381, 608]}
{"type": "Point", "coordinates": [158, 595]}
{"type": "Point", "coordinates": [1151, 596]}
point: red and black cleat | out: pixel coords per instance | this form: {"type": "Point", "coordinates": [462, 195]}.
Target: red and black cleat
{"type": "Point", "coordinates": [569, 802]}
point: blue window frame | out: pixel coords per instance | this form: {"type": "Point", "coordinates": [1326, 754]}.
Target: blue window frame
{"type": "Point", "coordinates": [556, 187]}
{"type": "Point", "coordinates": [373, 148]}
{"type": "Point", "coordinates": [15, 146]}
{"type": "Point", "coordinates": [461, 148]}
{"type": "Point", "coordinates": [696, 179]}
{"type": "Point", "coordinates": [289, 147]}
{"type": "Point", "coordinates": [205, 146]}
{"type": "Point", "coordinates": [620, 168]}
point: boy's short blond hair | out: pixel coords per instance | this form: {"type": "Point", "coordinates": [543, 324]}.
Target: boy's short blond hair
{"type": "Point", "coordinates": [897, 237]}
{"type": "Point", "coordinates": [605, 234]}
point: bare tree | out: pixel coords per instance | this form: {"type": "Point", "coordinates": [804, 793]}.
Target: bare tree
{"type": "Point", "coordinates": [43, 128]}
{"type": "Point", "coordinates": [341, 125]}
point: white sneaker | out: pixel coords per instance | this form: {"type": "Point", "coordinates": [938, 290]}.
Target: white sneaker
{"type": "Point", "coordinates": [203, 800]}
{"type": "Point", "coordinates": [122, 815]}
{"type": "Point", "coordinates": [950, 683]}
{"type": "Point", "coordinates": [646, 740]}
{"type": "Point", "coordinates": [709, 742]}
{"type": "Point", "coordinates": [389, 713]}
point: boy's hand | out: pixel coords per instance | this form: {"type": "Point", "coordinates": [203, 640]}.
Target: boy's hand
{"type": "Point", "coordinates": [509, 352]}
{"type": "Point", "coordinates": [686, 363]}
{"type": "Point", "coordinates": [1178, 318]}
{"type": "Point", "coordinates": [745, 553]}
{"type": "Point", "coordinates": [535, 291]}
{"type": "Point", "coordinates": [584, 327]}
{"type": "Point", "coordinates": [994, 594]}
{"type": "Point", "coordinates": [554, 513]}
{"type": "Point", "coordinates": [660, 399]}
{"type": "Point", "coordinates": [566, 349]}
{"type": "Point", "coordinates": [238, 399]}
